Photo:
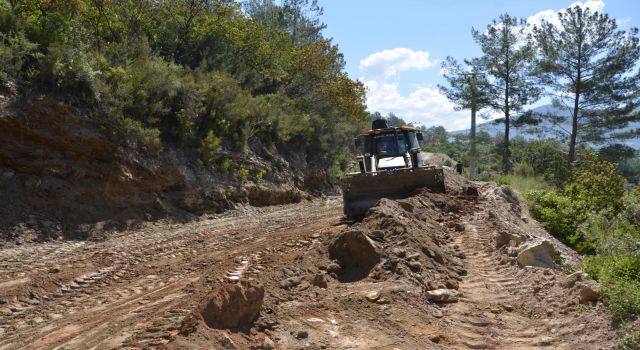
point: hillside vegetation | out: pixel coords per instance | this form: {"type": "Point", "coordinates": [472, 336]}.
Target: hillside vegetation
{"type": "Point", "coordinates": [205, 79]}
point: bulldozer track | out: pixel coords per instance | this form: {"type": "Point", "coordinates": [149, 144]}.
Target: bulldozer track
{"type": "Point", "coordinates": [130, 291]}
{"type": "Point", "coordinates": [491, 313]}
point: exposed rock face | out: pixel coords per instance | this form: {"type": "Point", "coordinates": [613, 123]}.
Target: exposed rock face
{"type": "Point", "coordinates": [61, 167]}
{"type": "Point", "coordinates": [232, 305]}
{"type": "Point", "coordinates": [356, 253]}
{"type": "Point", "coordinates": [537, 253]}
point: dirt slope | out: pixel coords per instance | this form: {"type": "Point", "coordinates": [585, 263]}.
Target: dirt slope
{"type": "Point", "coordinates": [432, 271]}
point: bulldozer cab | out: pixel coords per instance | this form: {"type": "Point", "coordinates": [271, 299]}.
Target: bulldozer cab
{"type": "Point", "coordinates": [391, 166]}
{"type": "Point", "coordinates": [389, 148]}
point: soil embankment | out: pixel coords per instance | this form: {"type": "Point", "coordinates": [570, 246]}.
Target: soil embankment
{"type": "Point", "coordinates": [62, 178]}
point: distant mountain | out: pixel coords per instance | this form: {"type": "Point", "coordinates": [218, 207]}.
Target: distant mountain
{"type": "Point", "coordinates": [546, 129]}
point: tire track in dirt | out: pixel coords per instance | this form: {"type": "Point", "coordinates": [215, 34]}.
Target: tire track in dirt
{"type": "Point", "coordinates": [495, 310]}
{"type": "Point", "coordinates": [137, 299]}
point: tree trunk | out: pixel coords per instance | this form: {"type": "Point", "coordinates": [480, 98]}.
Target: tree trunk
{"type": "Point", "coordinates": [574, 121]}
{"type": "Point", "coordinates": [506, 156]}
{"type": "Point", "coordinates": [473, 171]}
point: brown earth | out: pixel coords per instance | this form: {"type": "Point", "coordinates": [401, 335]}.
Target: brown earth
{"type": "Point", "coordinates": [434, 271]}
{"type": "Point", "coordinates": [62, 177]}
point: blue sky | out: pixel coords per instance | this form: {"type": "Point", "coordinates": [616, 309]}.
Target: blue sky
{"type": "Point", "coordinates": [396, 47]}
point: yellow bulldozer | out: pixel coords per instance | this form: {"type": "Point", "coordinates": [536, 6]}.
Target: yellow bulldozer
{"type": "Point", "coordinates": [390, 166]}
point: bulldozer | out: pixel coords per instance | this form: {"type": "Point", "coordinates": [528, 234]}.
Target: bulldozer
{"type": "Point", "coordinates": [390, 166]}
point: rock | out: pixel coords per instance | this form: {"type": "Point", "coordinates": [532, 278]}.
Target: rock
{"type": "Point", "coordinates": [413, 256]}
{"type": "Point", "coordinates": [232, 305]}
{"type": "Point", "coordinates": [589, 291]}
{"type": "Point", "coordinates": [452, 284]}
{"type": "Point", "coordinates": [319, 281]}
{"type": "Point", "coordinates": [538, 253]}
{"type": "Point", "coordinates": [372, 296]}
{"type": "Point", "coordinates": [415, 265]}
{"type": "Point", "coordinates": [268, 344]}
{"type": "Point", "coordinates": [443, 295]}
{"type": "Point", "coordinates": [436, 338]}
{"type": "Point", "coordinates": [227, 343]}
{"type": "Point", "coordinates": [399, 252]}
{"type": "Point", "coordinates": [54, 269]}
{"type": "Point", "coordinates": [503, 238]}
{"type": "Point", "coordinates": [471, 192]}
{"type": "Point", "coordinates": [290, 282]}
{"type": "Point", "coordinates": [376, 235]}
{"type": "Point", "coordinates": [334, 268]}
{"type": "Point", "coordinates": [302, 335]}
{"type": "Point", "coordinates": [356, 253]}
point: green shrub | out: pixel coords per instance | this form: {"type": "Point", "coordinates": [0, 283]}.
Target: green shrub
{"type": "Point", "coordinates": [523, 169]}
{"type": "Point", "coordinates": [225, 165]}
{"type": "Point", "coordinates": [260, 176]}
{"type": "Point", "coordinates": [504, 180]}
{"type": "Point", "coordinates": [243, 174]}
{"type": "Point", "coordinates": [15, 49]}
{"type": "Point", "coordinates": [447, 163]}
{"type": "Point", "coordinates": [598, 185]}
{"type": "Point", "coordinates": [559, 214]}
{"type": "Point", "coordinates": [630, 342]}
{"type": "Point", "coordinates": [210, 146]}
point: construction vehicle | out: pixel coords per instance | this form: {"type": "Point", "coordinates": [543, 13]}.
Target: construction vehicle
{"type": "Point", "coordinates": [391, 166]}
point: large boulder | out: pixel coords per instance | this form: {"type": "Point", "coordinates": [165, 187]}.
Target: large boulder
{"type": "Point", "coordinates": [232, 305]}
{"type": "Point", "coordinates": [356, 253]}
{"type": "Point", "coordinates": [537, 253]}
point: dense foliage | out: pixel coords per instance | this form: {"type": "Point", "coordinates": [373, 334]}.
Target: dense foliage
{"type": "Point", "coordinates": [199, 76]}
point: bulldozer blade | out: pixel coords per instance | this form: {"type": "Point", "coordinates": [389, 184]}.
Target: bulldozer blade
{"type": "Point", "coordinates": [362, 191]}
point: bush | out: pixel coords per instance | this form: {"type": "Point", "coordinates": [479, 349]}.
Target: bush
{"type": "Point", "coordinates": [617, 262]}
{"type": "Point", "coordinates": [225, 165]}
{"type": "Point", "coordinates": [133, 134]}
{"type": "Point", "coordinates": [243, 174]}
{"type": "Point", "coordinates": [523, 169]}
{"type": "Point", "coordinates": [559, 214]}
{"type": "Point", "coordinates": [210, 147]}
{"type": "Point", "coordinates": [504, 180]}
{"type": "Point", "coordinates": [15, 51]}
{"type": "Point", "coordinates": [260, 176]}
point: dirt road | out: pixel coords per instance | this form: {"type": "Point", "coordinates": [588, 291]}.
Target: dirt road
{"type": "Point", "coordinates": [137, 289]}
{"type": "Point", "coordinates": [129, 290]}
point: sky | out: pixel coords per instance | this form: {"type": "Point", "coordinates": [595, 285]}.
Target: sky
{"type": "Point", "coordinates": [396, 47]}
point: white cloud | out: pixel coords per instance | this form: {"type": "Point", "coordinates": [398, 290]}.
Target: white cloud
{"type": "Point", "coordinates": [424, 105]}
{"type": "Point", "coordinates": [388, 63]}
{"type": "Point", "coordinates": [551, 16]}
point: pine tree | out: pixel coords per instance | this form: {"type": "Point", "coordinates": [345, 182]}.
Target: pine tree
{"type": "Point", "coordinates": [588, 64]}
{"type": "Point", "coordinates": [469, 89]}
{"type": "Point", "coordinates": [507, 59]}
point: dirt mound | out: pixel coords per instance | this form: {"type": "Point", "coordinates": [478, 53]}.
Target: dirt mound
{"type": "Point", "coordinates": [232, 305]}
{"type": "Point", "coordinates": [414, 236]}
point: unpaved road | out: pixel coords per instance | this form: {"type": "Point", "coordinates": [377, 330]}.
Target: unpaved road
{"type": "Point", "coordinates": [135, 289]}
{"type": "Point", "coordinates": [129, 290]}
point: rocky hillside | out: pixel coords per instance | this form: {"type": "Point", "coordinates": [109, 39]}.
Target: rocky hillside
{"type": "Point", "coordinates": [62, 176]}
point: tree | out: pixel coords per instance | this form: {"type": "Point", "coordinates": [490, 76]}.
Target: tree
{"type": "Point", "coordinates": [587, 62]}
{"type": "Point", "coordinates": [437, 135]}
{"type": "Point", "coordinates": [507, 60]}
{"type": "Point", "coordinates": [469, 89]}
{"type": "Point", "coordinates": [301, 18]}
